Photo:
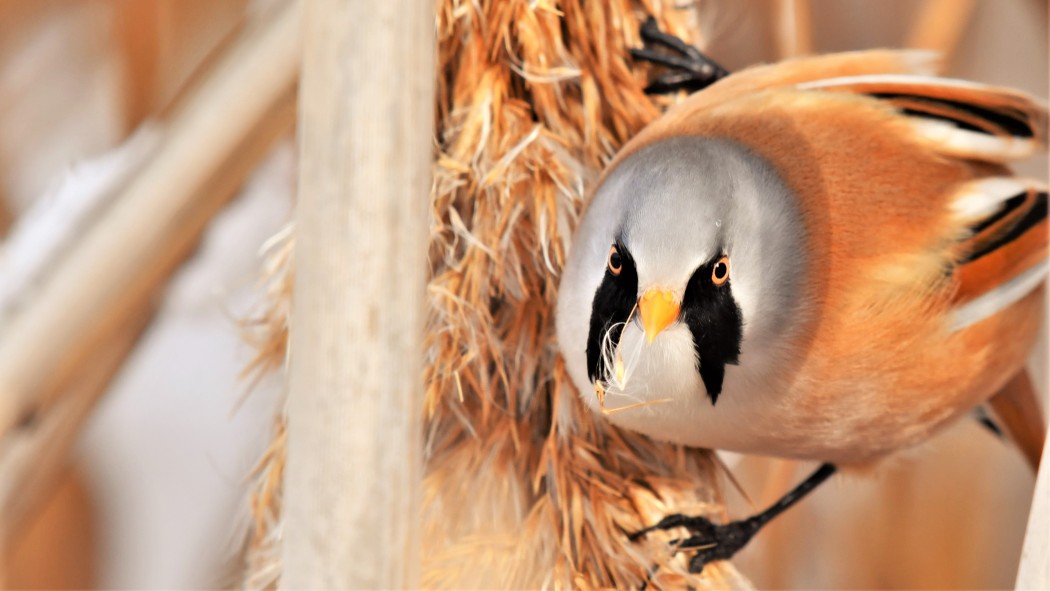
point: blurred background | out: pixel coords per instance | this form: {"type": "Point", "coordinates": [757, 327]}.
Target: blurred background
{"type": "Point", "coordinates": [154, 493]}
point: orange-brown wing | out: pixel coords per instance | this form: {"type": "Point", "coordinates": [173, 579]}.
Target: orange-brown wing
{"type": "Point", "coordinates": [966, 119]}
{"type": "Point", "coordinates": [1004, 218]}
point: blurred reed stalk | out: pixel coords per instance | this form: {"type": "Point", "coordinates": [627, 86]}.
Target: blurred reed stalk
{"type": "Point", "coordinates": [793, 25]}
{"type": "Point", "coordinates": [59, 353]}
{"type": "Point", "coordinates": [1034, 569]}
{"type": "Point", "coordinates": [939, 27]}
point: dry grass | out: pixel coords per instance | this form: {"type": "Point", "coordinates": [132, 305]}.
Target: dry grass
{"type": "Point", "coordinates": [524, 486]}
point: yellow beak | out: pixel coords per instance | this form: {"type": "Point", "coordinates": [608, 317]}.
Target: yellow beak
{"type": "Point", "coordinates": [658, 309]}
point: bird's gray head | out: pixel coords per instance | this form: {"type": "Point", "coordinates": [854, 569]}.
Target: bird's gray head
{"type": "Point", "coordinates": [692, 235]}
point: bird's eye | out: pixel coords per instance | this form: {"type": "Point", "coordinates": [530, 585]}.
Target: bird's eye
{"type": "Point", "coordinates": [615, 261]}
{"type": "Point", "coordinates": [720, 272]}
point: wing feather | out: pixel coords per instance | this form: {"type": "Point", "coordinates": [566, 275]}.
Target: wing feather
{"type": "Point", "coordinates": [964, 119]}
{"type": "Point", "coordinates": [1003, 257]}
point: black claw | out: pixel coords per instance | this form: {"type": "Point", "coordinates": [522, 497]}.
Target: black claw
{"type": "Point", "coordinates": [720, 542]}
{"type": "Point", "coordinates": [670, 83]}
{"type": "Point", "coordinates": [723, 545]}
{"type": "Point", "coordinates": [650, 30]}
{"type": "Point", "coordinates": [668, 522]}
{"type": "Point", "coordinates": [675, 520]}
{"type": "Point", "coordinates": [671, 61]}
{"type": "Point", "coordinates": [712, 541]}
{"type": "Point", "coordinates": [651, 33]}
{"type": "Point", "coordinates": [690, 69]}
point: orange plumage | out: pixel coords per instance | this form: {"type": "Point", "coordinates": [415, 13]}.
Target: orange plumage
{"type": "Point", "coordinates": [879, 163]}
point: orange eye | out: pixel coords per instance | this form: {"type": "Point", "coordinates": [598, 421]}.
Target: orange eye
{"type": "Point", "coordinates": [615, 261]}
{"type": "Point", "coordinates": [720, 272]}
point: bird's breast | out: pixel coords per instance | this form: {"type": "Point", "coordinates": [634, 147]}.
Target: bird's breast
{"type": "Point", "coordinates": [658, 391]}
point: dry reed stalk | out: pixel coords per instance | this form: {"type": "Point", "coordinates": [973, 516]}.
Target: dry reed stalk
{"type": "Point", "coordinates": [245, 100]}
{"type": "Point", "coordinates": [5, 214]}
{"type": "Point", "coordinates": [63, 532]}
{"type": "Point", "coordinates": [354, 469]}
{"type": "Point", "coordinates": [137, 27]}
{"type": "Point", "coordinates": [524, 486]}
{"type": "Point", "coordinates": [793, 23]}
{"type": "Point", "coordinates": [1034, 570]}
{"type": "Point", "coordinates": [34, 457]}
{"type": "Point", "coordinates": [939, 27]}
{"type": "Point", "coordinates": [58, 354]}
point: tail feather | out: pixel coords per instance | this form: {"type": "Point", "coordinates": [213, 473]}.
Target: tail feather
{"type": "Point", "coordinates": [1017, 410]}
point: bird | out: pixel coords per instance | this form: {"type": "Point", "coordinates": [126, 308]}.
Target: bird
{"type": "Point", "coordinates": [822, 259]}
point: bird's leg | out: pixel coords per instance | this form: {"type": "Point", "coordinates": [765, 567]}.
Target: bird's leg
{"type": "Point", "coordinates": [690, 69]}
{"type": "Point", "coordinates": [721, 542]}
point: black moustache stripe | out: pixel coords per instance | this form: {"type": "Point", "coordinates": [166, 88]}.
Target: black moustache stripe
{"type": "Point", "coordinates": [714, 320]}
{"type": "Point", "coordinates": [610, 309]}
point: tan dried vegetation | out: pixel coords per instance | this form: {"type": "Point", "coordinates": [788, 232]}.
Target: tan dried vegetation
{"type": "Point", "coordinates": [524, 486]}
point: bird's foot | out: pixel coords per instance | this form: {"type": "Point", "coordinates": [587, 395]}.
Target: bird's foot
{"type": "Point", "coordinates": [689, 69]}
{"type": "Point", "coordinates": [720, 542]}
{"type": "Point", "coordinates": [710, 540]}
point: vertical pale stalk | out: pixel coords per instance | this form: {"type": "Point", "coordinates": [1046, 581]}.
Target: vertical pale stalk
{"type": "Point", "coordinates": [1034, 570]}
{"type": "Point", "coordinates": [939, 26]}
{"type": "Point", "coordinates": [352, 483]}
{"type": "Point", "coordinates": [793, 28]}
